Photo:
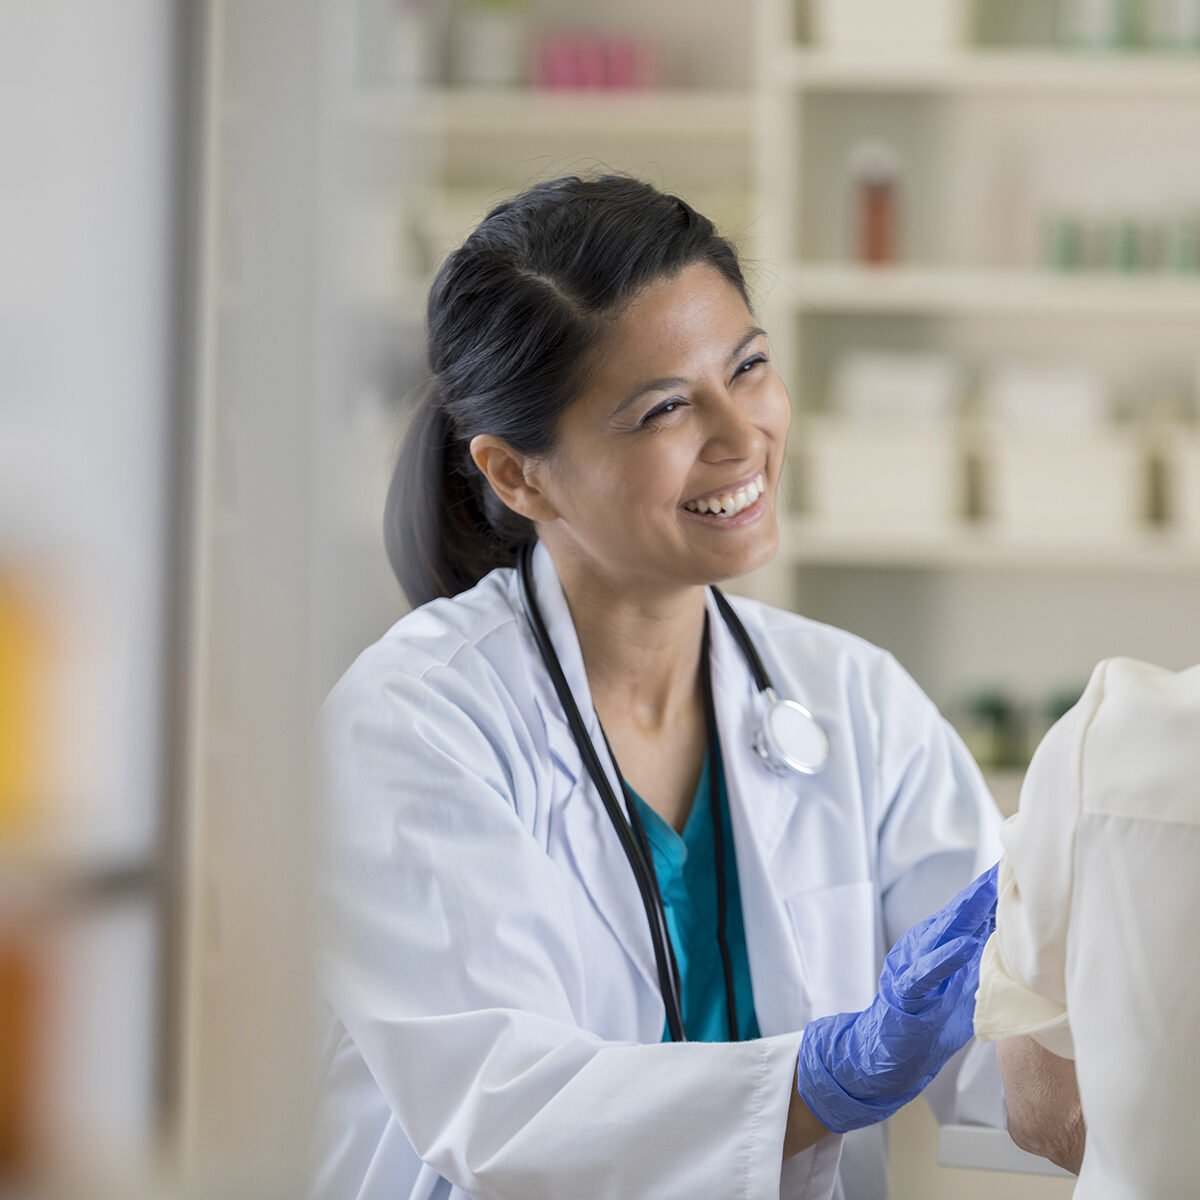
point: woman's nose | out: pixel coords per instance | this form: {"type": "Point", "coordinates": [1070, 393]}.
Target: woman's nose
{"type": "Point", "coordinates": [732, 432]}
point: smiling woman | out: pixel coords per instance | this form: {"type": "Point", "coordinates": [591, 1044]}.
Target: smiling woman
{"type": "Point", "coordinates": [587, 936]}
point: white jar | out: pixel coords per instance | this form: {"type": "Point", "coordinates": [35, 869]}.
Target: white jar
{"type": "Point", "coordinates": [1173, 24]}
{"type": "Point", "coordinates": [489, 47]}
{"type": "Point", "coordinates": [889, 28]}
{"type": "Point", "coordinates": [398, 44]}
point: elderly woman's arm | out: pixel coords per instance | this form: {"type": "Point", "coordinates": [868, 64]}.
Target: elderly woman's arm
{"type": "Point", "coordinates": [1040, 1089]}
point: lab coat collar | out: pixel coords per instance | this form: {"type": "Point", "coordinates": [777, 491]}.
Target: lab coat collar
{"type": "Point", "coordinates": [761, 803]}
{"type": "Point", "coordinates": [561, 628]}
{"type": "Point", "coordinates": [740, 707]}
{"type": "Point", "coordinates": [590, 838]}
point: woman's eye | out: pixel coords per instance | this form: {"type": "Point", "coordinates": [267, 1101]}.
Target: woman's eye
{"type": "Point", "coordinates": [749, 363]}
{"type": "Point", "coordinates": [660, 410]}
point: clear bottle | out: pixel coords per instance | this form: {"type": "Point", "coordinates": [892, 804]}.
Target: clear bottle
{"type": "Point", "coordinates": [1095, 24]}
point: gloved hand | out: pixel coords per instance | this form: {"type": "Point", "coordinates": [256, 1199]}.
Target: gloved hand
{"type": "Point", "coordinates": [859, 1068]}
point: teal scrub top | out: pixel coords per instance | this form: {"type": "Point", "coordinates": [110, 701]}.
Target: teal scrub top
{"type": "Point", "coordinates": [687, 878]}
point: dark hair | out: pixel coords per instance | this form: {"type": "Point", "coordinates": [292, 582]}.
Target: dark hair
{"type": "Point", "coordinates": [513, 316]}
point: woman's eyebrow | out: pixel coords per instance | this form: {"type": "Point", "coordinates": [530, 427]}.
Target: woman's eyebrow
{"type": "Point", "coordinates": [741, 346]}
{"type": "Point", "coordinates": [667, 382]}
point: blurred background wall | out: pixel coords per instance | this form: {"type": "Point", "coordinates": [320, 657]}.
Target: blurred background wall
{"type": "Point", "coordinates": [973, 234]}
{"type": "Point", "coordinates": [89, 326]}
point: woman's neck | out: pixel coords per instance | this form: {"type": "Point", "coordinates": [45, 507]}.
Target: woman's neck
{"type": "Point", "coordinates": [641, 648]}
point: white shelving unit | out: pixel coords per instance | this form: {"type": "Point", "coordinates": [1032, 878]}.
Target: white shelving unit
{"type": "Point", "coordinates": [968, 607]}
{"type": "Point", "coordinates": [528, 115]}
{"type": "Point", "coordinates": [816, 544]}
{"type": "Point", "coordinates": [986, 291]}
{"type": "Point", "coordinates": [1044, 73]}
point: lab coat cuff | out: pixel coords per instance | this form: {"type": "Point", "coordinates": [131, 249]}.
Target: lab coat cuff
{"type": "Point", "coordinates": [763, 1152]}
{"type": "Point", "coordinates": [1006, 1006]}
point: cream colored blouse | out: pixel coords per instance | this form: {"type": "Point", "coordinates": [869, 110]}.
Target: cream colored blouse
{"type": "Point", "coordinates": [1095, 953]}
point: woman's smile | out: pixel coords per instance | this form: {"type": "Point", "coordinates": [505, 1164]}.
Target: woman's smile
{"type": "Point", "coordinates": [732, 501]}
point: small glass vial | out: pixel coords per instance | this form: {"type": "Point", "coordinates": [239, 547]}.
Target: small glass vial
{"type": "Point", "coordinates": [875, 171]}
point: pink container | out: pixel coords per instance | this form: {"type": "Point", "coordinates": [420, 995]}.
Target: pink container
{"type": "Point", "coordinates": [591, 60]}
{"type": "Point", "coordinates": [555, 62]}
{"type": "Point", "coordinates": [624, 62]}
{"type": "Point", "coordinates": [573, 59]}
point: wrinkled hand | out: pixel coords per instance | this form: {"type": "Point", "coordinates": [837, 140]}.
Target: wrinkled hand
{"type": "Point", "coordinates": [858, 1068]}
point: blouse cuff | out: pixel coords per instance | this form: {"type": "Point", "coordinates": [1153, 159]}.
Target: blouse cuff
{"type": "Point", "coordinates": [1005, 1006]}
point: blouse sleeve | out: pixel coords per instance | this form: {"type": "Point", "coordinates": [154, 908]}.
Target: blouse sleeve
{"type": "Point", "coordinates": [1022, 985]}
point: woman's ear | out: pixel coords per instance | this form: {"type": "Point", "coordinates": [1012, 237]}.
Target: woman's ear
{"type": "Point", "coordinates": [511, 476]}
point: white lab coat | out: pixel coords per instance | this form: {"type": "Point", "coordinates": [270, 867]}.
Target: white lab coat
{"type": "Point", "coordinates": [494, 1017]}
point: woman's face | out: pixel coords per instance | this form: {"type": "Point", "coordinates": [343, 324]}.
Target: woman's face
{"type": "Point", "coordinates": [666, 467]}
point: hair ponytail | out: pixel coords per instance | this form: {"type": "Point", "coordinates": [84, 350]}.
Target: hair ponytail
{"type": "Point", "coordinates": [443, 527]}
{"type": "Point", "coordinates": [514, 317]}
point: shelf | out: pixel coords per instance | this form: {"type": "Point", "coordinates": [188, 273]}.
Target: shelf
{"type": "Point", "coordinates": [522, 115]}
{"type": "Point", "coordinates": [845, 288]}
{"type": "Point", "coordinates": [983, 1148]}
{"type": "Point", "coordinates": [1137, 76]}
{"type": "Point", "coordinates": [807, 543]}
{"type": "Point", "coordinates": [37, 881]}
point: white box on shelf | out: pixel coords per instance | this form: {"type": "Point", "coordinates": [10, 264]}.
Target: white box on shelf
{"type": "Point", "coordinates": [1182, 462]}
{"type": "Point", "coordinates": [1039, 396]}
{"type": "Point", "coordinates": [882, 477]}
{"type": "Point", "coordinates": [1064, 485]}
{"type": "Point", "coordinates": [889, 29]}
{"type": "Point", "coordinates": [895, 386]}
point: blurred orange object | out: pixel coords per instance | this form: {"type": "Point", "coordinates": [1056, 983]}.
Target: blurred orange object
{"type": "Point", "coordinates": [23, 665]}
{"type": "Point", "coordinates": [18, 1013]}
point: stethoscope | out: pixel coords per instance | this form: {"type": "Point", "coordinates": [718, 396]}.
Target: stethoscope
{"type": "Point", "coordinates": [789, 739]}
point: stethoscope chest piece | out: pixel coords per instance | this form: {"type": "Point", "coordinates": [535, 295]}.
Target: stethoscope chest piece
{"type": "Point", "coordinates": [791, 738]}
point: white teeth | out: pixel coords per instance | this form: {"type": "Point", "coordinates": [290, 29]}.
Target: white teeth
{"type": "Point", "coordinates": [731, 502]}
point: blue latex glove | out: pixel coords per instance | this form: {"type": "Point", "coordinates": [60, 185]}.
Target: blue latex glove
{"type": "Point", "coordinates": [859, 1068]}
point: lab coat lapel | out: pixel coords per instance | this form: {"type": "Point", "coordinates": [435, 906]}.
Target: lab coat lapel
{"type": "Point", "coordinates": [761, 803]}
{"type": "Point", "coordinates": [590, 838]}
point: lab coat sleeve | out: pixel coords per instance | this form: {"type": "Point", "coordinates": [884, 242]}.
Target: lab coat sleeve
{"type": "Point", "coordinates": [1022, 979]}
{"type": "Point", "coordinates": [450, 955]}
{"type": "Point", "coordinates": [937, 828]}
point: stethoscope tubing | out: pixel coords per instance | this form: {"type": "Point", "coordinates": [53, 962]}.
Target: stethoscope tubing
{"type": "Point", "coordinates": [643, 873]}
